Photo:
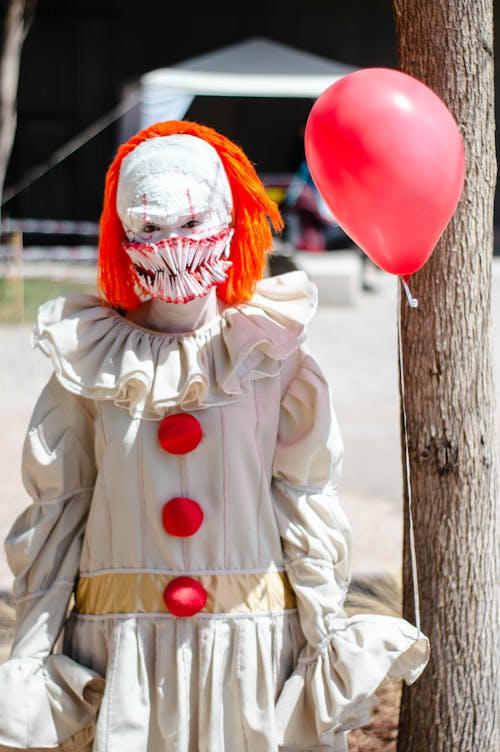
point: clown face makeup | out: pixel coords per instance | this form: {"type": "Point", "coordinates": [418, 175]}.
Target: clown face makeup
{"type": "Point", "coordinates": [181, 268]}
{"type": "Point", "coordinates": [175, 205]}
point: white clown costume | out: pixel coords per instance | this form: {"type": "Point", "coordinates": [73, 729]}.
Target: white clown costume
{"type": "Point", "coordinates": [184, 489]}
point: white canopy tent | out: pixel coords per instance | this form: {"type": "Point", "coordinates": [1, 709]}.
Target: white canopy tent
{"type": "Point", "coordinates": [256, 67]}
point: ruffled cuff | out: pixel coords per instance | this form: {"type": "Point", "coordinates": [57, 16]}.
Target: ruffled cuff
{"type": "Point", "coordinates": [332, 688]}
{"type": "Point", "coordinates": [49, 704]}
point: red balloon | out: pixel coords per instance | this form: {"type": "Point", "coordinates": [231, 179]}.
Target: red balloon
{"type": "Point", "coordinates": [387, 157]}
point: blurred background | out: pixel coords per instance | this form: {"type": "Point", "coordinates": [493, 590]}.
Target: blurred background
{"type": "Point", "coordinates": [84, 58]}
{"type": "Point", "coordinates": [81, 57]}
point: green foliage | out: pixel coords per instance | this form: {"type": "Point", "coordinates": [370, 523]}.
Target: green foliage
{"type": "Point", "coordinates": [20, 299]}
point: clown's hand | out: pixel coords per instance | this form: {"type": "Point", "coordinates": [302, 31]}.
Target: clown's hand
{"type": "Point", "coordinates": [344, 660]}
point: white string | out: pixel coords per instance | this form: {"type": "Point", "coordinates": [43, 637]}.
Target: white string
{"type": "Point", "coordinates": [69, 148]}
{"type": "Point", "coordinates": [413, 556]}
{"type": "Point", "coordinates": [413, 302]}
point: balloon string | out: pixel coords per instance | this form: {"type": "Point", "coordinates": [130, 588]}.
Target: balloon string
{"type": "Point", "coordinates": [413, 302]}
{"type": "Point", "coordinates": [413, 555]}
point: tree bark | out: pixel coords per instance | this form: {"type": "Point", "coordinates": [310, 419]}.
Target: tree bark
{"type": "Point", "coordinates": [447, 356]}
{"type": "Point", "coordinates": [17, 21]}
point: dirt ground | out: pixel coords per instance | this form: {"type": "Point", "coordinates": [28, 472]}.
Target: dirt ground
{"type": "Point", "coordinates": [382, 734]}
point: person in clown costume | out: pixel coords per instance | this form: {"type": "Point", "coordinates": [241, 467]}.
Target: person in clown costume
{"type": "Point", "coordinates": [181, 572]}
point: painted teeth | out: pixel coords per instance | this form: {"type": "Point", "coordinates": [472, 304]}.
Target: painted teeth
{"type": "Point", "coordinates": [181, 270]}
{"type": "Point", "coordinates": [190, 255]}
{"type": "Point", "coordinates": [166, 256]}
{"type": "Point", "coordinates": [197, 259]}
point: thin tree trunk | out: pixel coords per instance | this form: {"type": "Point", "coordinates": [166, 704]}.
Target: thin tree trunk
{"type": "Point", "coordinates": [447, 355]}
{"type": "Point", "coordinates": [17, 20]}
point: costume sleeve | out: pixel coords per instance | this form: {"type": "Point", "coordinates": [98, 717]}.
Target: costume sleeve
{"type": "Point", "coordinates": [47, 698]}
{"type": "Point", "coordinates": [344, 659]}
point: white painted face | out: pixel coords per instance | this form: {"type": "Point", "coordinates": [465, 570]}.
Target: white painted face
{"type": "Point", "coordinates": [175, 202]}
{"type": "Point", "coordinates": [172, 186]}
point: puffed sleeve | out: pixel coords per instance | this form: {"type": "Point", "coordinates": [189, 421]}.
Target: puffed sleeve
{"type": "Point", "coordinates": [47, 698]}
{"type": "Point", "coordinates": [344, 660]}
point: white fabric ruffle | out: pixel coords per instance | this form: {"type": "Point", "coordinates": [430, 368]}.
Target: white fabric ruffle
{"type": "Point", "coordinates": [47, 702]}
{"type": "Point", "coordinates": [332, 687]}
{"type": "Point", "coordinates": [100, 355]}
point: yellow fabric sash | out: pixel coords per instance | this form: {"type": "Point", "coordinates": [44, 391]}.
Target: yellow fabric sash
{"type": "Point", "coordinates": [141, 592]}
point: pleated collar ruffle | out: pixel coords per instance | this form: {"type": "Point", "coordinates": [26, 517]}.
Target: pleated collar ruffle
{"type": "Point", "coordinates": [100, 355]}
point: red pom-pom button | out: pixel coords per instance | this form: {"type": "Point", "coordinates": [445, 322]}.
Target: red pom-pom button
{"type": "Point", "coordinates": [182, 516]}
{"type": "Point", "coordinates": [184, 596]}
{"type": "Point", "coordinates": [179, 433]}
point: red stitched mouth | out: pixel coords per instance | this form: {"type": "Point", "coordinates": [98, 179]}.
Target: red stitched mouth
{"type": "Point", "coordinates": [180, 269]}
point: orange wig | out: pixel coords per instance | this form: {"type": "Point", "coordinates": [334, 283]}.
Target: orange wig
{"type": "Point", "coordinates": [251, 209]}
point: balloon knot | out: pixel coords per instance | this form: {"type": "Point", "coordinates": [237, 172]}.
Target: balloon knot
{"type": "Point", "coordinates": [412, 302]}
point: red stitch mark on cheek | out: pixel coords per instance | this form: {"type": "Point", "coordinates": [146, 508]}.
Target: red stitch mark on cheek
{"type": "Point", "coordinates": [144, 207]}
{"type": "Point", "coordinates": [190, 203]}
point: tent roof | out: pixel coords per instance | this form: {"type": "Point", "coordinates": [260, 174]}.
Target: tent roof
{"type": "Point", "coordinates": [256, 67]}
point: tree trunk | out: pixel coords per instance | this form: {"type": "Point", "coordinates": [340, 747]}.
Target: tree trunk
{"type": "Point", "coordinates": [17, 20]}
{"type": "Point", "coordinates": [447, 356]}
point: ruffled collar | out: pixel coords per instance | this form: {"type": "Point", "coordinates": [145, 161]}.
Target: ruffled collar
{"type": "Point", "coordinates": [99, 354]}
